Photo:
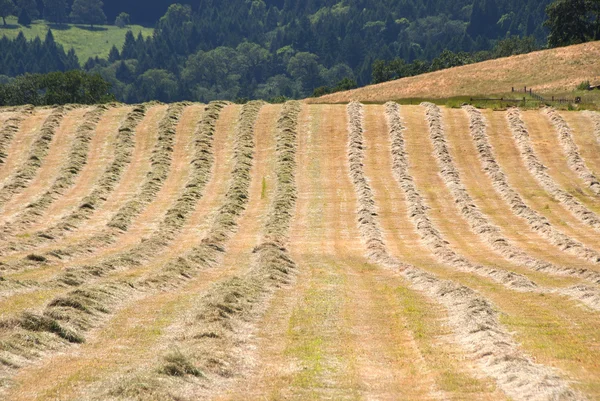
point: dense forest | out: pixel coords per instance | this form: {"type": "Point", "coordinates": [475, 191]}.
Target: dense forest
{"type": "Point", "coordinates": [270, 49]}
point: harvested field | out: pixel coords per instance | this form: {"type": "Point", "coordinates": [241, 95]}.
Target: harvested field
{"type": "Point", "coordinates": [299, 251]}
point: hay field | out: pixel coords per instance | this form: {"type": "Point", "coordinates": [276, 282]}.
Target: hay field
{"type": "Point", "coordinates": [552, 72]}
{"type": "Point", "coordinates": [299, 251]}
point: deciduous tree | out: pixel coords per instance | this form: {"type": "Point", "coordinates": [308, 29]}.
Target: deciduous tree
{"type": "Point", "coordinates": [88, 12]}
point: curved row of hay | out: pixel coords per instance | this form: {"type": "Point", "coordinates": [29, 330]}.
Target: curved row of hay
{"type": "Point", "coordinates": [418, 213]}
{"type": "Point", "coordinates": [477, 220]}
{"type": "Point", "coordinates": [518, 206]}
{"type": "Point", "coordinates": [123, 150]}
{"type": "Point", "coordinates": [67, 318]}
{"type": "Point", "coordinates": [25, 173]}
{"type": "Point", "coordinates": [120, 221]}
{"type": "Point", "coordinates": [173, 221]}
{"type": "Point", "coordinates": [10, 128]}
{"type": "Point", "coordinates": [473, 318]}
{"type": "Point", "coordinates": [208, 347]}
{"type": "Point", "coordinates": [538, 170]}
{"type": "Point", "coordinates": [574, 159]}
{"type": "Point", "coordinates": [76, 159]}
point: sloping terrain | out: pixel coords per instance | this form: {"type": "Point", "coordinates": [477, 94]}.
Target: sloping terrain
{"type": "Point", "coordinates": [551, 71]}
{"type": "Point", "coordinates": [299, 251]}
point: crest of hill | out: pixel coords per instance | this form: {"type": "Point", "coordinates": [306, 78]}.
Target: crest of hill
{"type": "Point", "coordinates": [549, 71]}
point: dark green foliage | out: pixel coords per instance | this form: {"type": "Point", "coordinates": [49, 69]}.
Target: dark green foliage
{"type": "Point", "coordinates": [55, 88]}
{"type": "Point", "coordinates": [30, 7]}
{"type": "Point", "coordinates": [123, 20]}
{"type": "Point", "coordinates": [573, 21]}
{"type": "Point", "coordinates": [24, 18]}
{"type": "Point", "coordinates": [88, 12]}
{"type": "Point", "coordinates": [274, 49]}
{"type": "Point", "coordinates": [7, 7]}
{"type": "Point", "coordinates": [55, 11]}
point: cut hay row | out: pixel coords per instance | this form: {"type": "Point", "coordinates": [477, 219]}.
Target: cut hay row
{"type": "Point", "coordinates": [76, 160]}
{"type": "Point", "coordinates": [473, 318]}
{"type": "Point", "coordinates": [172, 223]}
{"type": "Point", "coordinates": [595, 117]}
{"type": "Point", "coordinates": [537, 222]}
{"type": "Point", "coordinates": [68, 318]}
{"type": "Point", "coordinates": [10, 128]}
{"type": "Point", "coordinates": [479, 223]}
{"type": "Point", "coordinates": [208, 349]}
{"type": "Point", "coordinates": [175, 217]}
{"type": "Point", "coordinates": [571, 150]}
{"type": "Point", "coordinates": [123, 151]}
{"type": "Point", "coordinates": [120, 221]}
{"type": "Point", "coordinates": [538, 170]}
{"type": "Point", "coordinates": [417, 210]}
{"type": "Point", "coordinates": [39, 149]}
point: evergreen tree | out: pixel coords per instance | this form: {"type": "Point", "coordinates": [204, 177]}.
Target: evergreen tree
{"type": "Point", "coordinates": [24, 18]}
{"type": "Point", "coordinates": [55, 11]}
{"type": "Point", "coordinates": [7, 7]}
{"type": "Point", "coordinates": [29, 6]}
{"type": "Point", "coordinates": [88, 12]}
{"type": "Point", "coordinates": [129, 47]}
{"type": "Point", "coordinates": [113, 55]}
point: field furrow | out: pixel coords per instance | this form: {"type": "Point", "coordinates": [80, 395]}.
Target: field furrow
{"type": "Point", "coordinates": [534, 194]}
{"type": "Point", "coordinates": [585, 131]}
{"type": "Point", "coordinates": [200, 159]}
{"type": "Point", "coordinates": [298, 251]}
{"type": "Point", "coordinates": [101, 146]}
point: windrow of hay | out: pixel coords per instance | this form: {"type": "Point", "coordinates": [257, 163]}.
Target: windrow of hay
{"type": "Point", "coordinates": [10, 128]}
{"type": "Point", "coordinates": [417, 211]}
{"type": "Point", "coordinates": [479, 223]}
{"type": "Point", "coordinates": [66, 319]}
{"type": "Point", "coordinates": [595, 117]}
{"type": "Point", "coordinates": [39, 149]}
{"type": "Point", "coordinates": [119, 223]}
{"type": "Point", "coordinates": [76, 160]}
{"type": "Point", "coordinates": [537, 223]}
{"type": "Point", "coordinates": [208, 347]}
{"type": "Point", "coordinates": [538, 170]}
{"type": "Point", "coordinates": [473, 318]}
{"type": "Point", "coordinates": [175, 217]}
{"type": "Point", "coordinates": [160, 162]}
{"type": "Point", "coordinates": [570, 148]}
{"type": "Point", "coordinates": [123, 151]}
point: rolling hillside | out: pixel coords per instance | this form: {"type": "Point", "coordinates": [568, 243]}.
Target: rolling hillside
{"type": "Point", "coordinates": [554, 71]}
{"type": "Point", "coordinates": [299, 251]}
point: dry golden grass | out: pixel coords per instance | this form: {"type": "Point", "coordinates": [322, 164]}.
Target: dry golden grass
{"type": "Point", "coordinates": [549, 71]}
{"type": "Point", "coordinates": [303, 251]}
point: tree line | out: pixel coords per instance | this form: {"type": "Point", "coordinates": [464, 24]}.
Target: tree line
{"type": "Point", "coordinates": [275, 49]}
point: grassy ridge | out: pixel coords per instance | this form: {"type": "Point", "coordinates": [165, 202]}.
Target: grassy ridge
{"type": "Point", "coordinates": [86, 42]}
